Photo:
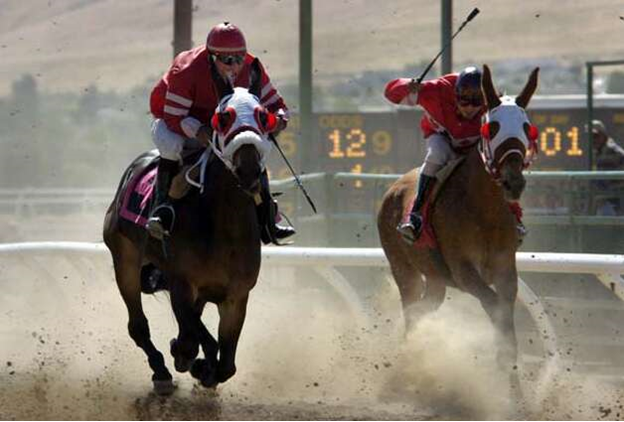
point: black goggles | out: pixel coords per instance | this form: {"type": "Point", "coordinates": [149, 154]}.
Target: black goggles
{"type": "Point", "coordinates": [475, 101]}
{"type": "Point", "coordinates": [230, 59]}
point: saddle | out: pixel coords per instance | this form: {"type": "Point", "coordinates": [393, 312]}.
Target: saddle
{"type": "Point", "coordinates": [140, 182]}
{"type": "Point", "coordinates": [427, 238]}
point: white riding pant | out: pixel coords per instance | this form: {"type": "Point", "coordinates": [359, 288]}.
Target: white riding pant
{"type": "Point", "coordinates": [169, 143]}
{"type": "Point", "coordinates": [439, 152]}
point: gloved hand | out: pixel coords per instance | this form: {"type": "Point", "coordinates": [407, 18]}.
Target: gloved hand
{"type": "Point", "coordinates": [282, 122]}
{"type": "Point", "coordinates": [413, 86]}
{"type": "Point", "coordinates": [204, 135]}
{"type": "Point", "coordinates": [280, 126]}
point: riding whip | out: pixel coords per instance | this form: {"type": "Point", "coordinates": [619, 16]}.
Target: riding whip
{"type": "Point", "coordinates": [299, 184]}
{"type": "Point", "coordinates": [471, 16]}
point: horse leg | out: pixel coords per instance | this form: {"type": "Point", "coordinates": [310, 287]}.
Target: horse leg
{"type": "Point", "coordinates": [232, 313]}
{"type": "Point", "coordinates": [419, 296]}
{"type": "Point", "coordinates": [127, 263]}
{"type": "Point", "coordinates": [205, 370]}
{"type": "Point", "coordinates": [499, 306]}
{"type": "Point", "coordinates": [507, 290]}
{"type": "Point", "coordinates": [185, 347]}
{"type": "Point", "coordinates": [506, 282]}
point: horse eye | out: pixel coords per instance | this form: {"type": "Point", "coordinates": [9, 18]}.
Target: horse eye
{"type": "Point", "coordinates": [494, 128]}
{"type": "Point", "coordinates": [224, 118]}
{"type": "Point", "coordinates": [263, 118]}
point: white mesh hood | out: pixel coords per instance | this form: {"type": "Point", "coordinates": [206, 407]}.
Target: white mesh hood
{"type": "Point", "coordinates": [245, 129]}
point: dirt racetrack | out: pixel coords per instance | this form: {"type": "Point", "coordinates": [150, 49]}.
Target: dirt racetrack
{"type": "Point", "coordinates": [66, 355]}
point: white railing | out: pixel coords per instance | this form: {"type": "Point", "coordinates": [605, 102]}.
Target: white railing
{"type": "Point", "coordinates": [31, 201]}
{"type": "Point", "coordinates": [324, 261]}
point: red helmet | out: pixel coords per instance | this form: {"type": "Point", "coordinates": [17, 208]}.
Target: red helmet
{"type": "Point", "coordinates": [226, 38]}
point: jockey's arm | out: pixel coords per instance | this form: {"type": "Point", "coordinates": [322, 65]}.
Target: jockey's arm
{"type": "Point", "coordinates": [403, 91]}
{"type": "Point", "coordinates": [273, 101]}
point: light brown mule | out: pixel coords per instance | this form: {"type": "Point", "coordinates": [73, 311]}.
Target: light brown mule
{"type": "Point", "coordinates": [473, 224]}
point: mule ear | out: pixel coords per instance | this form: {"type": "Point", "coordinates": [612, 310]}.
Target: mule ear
{"type": "Point", "coordinates": [223, 85]}
{"type": "Point", "coordinates": [487, 86]}
{"type": "Point", "coordinates": [255, 78]}
{"type": "Point", "coordinates": [523, 99]}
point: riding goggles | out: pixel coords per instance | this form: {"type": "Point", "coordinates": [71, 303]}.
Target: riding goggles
{"type": "Point", "coordinates": [230, 59]}
{"type": "Point", "coordinates": [476, 101]}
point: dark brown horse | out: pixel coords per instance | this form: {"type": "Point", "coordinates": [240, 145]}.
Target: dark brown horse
{"type": "Point", "coordinates": [213, 254]}
{"type": "Point", "coordinates": [471, 218]}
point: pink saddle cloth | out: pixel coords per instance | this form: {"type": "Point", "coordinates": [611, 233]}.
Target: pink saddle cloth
{"type": "Point", "coordinates": [427, 238]}
{"type": "Point", "coordinates": [137, 197]}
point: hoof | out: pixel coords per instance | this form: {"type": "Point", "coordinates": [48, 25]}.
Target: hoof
{"type": "Point", "coordinates": [164, 387]}
{"type": "Point", "coordinates": [205, 373]}
{"type": "Point", "coordinates": [224, 374]}
{"type": "Point", "coordinates": [181, 364]}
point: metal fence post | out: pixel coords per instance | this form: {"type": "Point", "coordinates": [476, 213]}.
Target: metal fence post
{"type": "Point", "coordinates": [182, 26]}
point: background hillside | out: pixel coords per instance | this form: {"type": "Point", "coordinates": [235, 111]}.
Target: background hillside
{"type": "Point", "coordinates": [75, 75]}
{"type": "Point", "coordinates": [117, 44]}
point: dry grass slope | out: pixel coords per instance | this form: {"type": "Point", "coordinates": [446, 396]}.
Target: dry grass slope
{"type": "Point", "coordinates": [71, 44]}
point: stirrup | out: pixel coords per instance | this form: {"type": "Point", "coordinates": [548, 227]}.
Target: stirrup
{"type": "Point", "coordinates": [284, 232]}
{"type": "Point", "coordinates": [155, 226]}
{"type": "Point", "coordinates": [410, 231]}
{"type": "Point", "coordinates": [522, 232]}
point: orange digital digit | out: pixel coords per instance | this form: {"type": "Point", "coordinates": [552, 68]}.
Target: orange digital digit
{"type": "Point", "coordinates": [357, 169]}
{"type": "Point", "coordinates": [382, 142]}
{"type": "Point", "coordinates": [356, 139]}
{"type": "Point", "coordinates": [336, 151]}
{"type": "Point", "coordinates": [573, 136]}
{"type": "Point", "coordinates": [550, 141]}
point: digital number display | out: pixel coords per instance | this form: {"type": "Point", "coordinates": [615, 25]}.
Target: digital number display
{"type": "Point", "coordinates": [357, 143]}
{"type": "Point", "coordinates": [563, 142]}
{"type": "Point", "coordinates": [391, 142]}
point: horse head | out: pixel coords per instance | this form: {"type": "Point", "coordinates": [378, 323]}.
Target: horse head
{"type": "Point", "coordinates": [508, 139]}
{"type": "Point", "coordinates": [241, 127]}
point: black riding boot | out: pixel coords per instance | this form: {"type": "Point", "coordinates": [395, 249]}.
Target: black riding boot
{"type": "Point", "coordinates": [162, 217]}
{"type": "Point", "coordinates": [270, 231]}
{"type": "Point", "coordinates": [412, 229]}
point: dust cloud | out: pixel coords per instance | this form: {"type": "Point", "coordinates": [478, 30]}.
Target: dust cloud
{"type": "Point", "coordinates": [303, 355]}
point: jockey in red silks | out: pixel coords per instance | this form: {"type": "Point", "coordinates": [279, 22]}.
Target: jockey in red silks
{"type": "Point", "coordinates": [453, 106]}
{"type": "Point", "coordinates": [183, 102]}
